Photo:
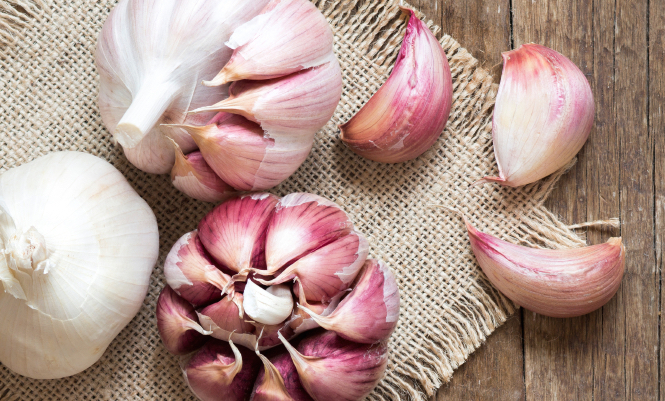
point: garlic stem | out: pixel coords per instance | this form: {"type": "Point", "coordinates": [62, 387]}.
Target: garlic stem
{"type": "Point", "coordinates": [146, 109]}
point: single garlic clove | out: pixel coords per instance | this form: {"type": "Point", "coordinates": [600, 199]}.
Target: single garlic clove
{"type": "Point", "coordinates": [239, 152]}
{"type": "Point", "coordinates": [302, 222]}
{"type": "Point", "coordinates": [542, 116]}
{"type": "Point", "coordinates": [370, 312]}
{"type": "Point", "coordinates": [270, 306]}
{"type": "Point", "coordinates": [220, 371]}
{"type": "Point", "coordinates": [328, 270]}
{"type": "Point", "coordinates": [233, 232]}
{"type": "Point", "coordinates": [408, 113]}
{"type": "Point", "coordinates": [191, 273]}
{"type": "Point", "coordinates": [193, 176]}
{"type": "Point", "coordinates": [177, 325]}
{"type": "Point", "coordinates": [556, 283]}
{"type": "Point", "coordinates": [325, 360]}
{"type": "Point", "coordinates": [279, 379]}
{"type": "Point", "coordinates": [288, 36]}
{"type": "Point", "coordinates": [290, 108]}
{"type": "Point", "coordinates": [226, 315]}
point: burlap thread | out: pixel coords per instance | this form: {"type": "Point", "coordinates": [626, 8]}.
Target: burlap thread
{"type": "Point", "coordinates": [48, 91]}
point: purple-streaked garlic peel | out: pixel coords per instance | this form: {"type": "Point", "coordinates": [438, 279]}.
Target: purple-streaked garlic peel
{"type": "Point", "coordinates": [409, 112]}
{"type": "Point", "coordinates": [177, 324]}
{"type": "Point", "coordinates": [268, 384]}
{"type": "Point", "coordinates": [551, 282]}
{"type": "Point", "coordinates": [543, 115]}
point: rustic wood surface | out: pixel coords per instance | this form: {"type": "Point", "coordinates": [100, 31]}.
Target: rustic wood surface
{"type": "Point", "coordinates": [614, 353]}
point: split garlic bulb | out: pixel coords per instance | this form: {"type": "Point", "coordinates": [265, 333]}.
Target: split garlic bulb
{"type": "Point", "coordinates": [78, 246]}
{"type": "Point", "coordinates": [282, 268]}
{"type": "Point", "coordinates": [151, 57]}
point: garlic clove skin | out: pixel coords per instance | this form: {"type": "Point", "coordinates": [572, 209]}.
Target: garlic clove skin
{"type": "Point", "coordinates": [151, 62]}
{"type": "Point", "coordinates": [288, 36]}
{"type": "Point", "coordinates": [270, 306]}
{"type": "Point", "coordinates": [543, 115]}
{"type": "Point", "coordinates": [242, 155]}
{"type": "Point", "coordinates": [191, 272]}
{"type": "Point", "coordinates": [290, 108]}
{"type": "Point", "coordinates": [408, 113]}
{"type": "Point", "coordinates": [177, 324]}
{"type": "Point", "coordinates": [233, 231]}
{"type": "Point", "coordinates": [279, 379]}
{"type": "Point", "coordinates": [555, 283]}
{"type": "Point", "coordinates": [324, 360]}
{"type": "Point", "coordinates": [221, 371]}
{"type": "Point", "coordinates": [302, 222]}
{"type": "Point", "coordinates": [328, 270]}
{"type": "Point", "coordinates": [226, 315]}
{"type": "Point", "coordinates": [369, 314]}
{"type": "Point", "coordinates": [193, 176]}
{"type": "Point", "coordinates": [154, 154]}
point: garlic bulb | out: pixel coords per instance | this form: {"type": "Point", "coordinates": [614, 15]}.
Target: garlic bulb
{"type": "Point", "coordinates": [409, 112]}
{"type": "Point", "coordinates": [78, 249]}
{"type": "Point", "coordinates": [300, 247]}
{"type": "Point", "coordinates": [151, 57]}
{"type": "Point", "coordinates": [542, 117]}
{"type": "Point", "coordinates": [556, 283]}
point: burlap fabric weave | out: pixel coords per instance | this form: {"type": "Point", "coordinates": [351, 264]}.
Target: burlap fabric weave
{"type": "Point", "coordinates": [48, 92]}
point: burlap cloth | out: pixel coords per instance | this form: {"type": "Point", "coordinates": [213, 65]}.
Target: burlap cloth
{"type": "Point", "coordinates": [48, 97]}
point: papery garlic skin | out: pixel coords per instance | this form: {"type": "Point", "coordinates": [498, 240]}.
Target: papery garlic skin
{"type": "Point", "coordinates": [543, 115]}
{"type": "Point", "coordinates": [268, 387]}
{"type": "Point", "coordinates": [151, 57]}
{"type": "Point", "coordinates": [555, 283]}
{"type": "Point", "coordinates": [96, 246]}
{"type": "Point", "coordinates": [288, 36]}
{"type": "Point", "coordinates": [193, 176]}
{"type": "Point", "coordinates": [177, 324]}
{"type": "Point", "coordinates": [409, 112]}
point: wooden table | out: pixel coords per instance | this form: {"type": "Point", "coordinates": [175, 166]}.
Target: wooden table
{"type": "Point", "coordinates": [614, 353]}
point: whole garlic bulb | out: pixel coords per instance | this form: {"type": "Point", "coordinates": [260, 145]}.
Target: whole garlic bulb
{"type": "Point", "coordinates": [78, 246]}
{"type": "Point", "coordinates": [152, 56]}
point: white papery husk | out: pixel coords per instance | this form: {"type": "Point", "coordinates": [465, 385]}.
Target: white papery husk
{"type": "Point", "coordinates": [102, 243]}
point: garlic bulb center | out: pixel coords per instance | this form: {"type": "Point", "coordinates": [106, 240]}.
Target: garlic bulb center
{"type": "Point", "coordinates": [28, 252]}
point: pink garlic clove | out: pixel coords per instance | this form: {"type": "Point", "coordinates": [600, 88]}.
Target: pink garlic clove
{"type": "Point", "coordinates": [291, 108]}
{"type": "Point", "coordinates": [176, 321]}
{"type": "Point", "coordinates": [543, 115]}
{"type": "Point", "coordinates": [193, 176]}
{"type": "Point", "coordinates": [191, 273]}
{"type": "Point", "coordinates": [302, 222]}
{"type": "Point", "coordinates": [552, 282]}
{"type": "Point", "coordinates": [233, 232]}
{"type": "Point", "coordinates": [225, 317]}
{"type": "Point", "coordinates": [288, 36]}
{"type": "Point", "coordinates": [221, 371]}
{"type": "Point", "coordinates": [409, 112]}
{"type": "Point", "coordinates": [332, 368]}
{"type": "Point", "coordinates": [278, 378]}
{"type": "Point", "coordinates": [239, 152]}
{"type": "Point", "coordinates": [328, 270]}
{"type": "Point", "coordinates": [370, 312]}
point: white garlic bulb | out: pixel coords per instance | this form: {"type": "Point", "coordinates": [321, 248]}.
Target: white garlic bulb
{"type": "Point", "coordinates": [77, 249]}
{"type": "Point", "coordinates": [151, 57]}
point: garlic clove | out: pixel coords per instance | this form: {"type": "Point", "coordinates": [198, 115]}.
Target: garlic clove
{"type": "Point", "coordinates": [193, 176]}
{"type": "Point", "coordinates": [221, 371]}
{"type": "Point", "coordinates": [290, 108]}
{"type": "Point", "coordinates": [556, 283]}
{"type": "Point", "coordinates": [325, 360]}
{"type": "Point", "coordinates": [239, 152]}
{"type": "Point", "coordinates": [302, 222]}
{"type": "Point", "coordinates": [543, 115]}
{"type": "Point", "coordinates": [191, 273]}
{"type": "Point", "coordinates": [288, 36]}
{"type": "Point", "coordinates": [409, 112]}
{"type": "Point", "coordinates": [328, 270]}
{"type": "Point", "coordinates": [233, 232]}
{"type": "Point", "coordinates": [279, 379]}
{"type": "Point", "coordinates": [226, 315]}
{"type": "Point", "coordinates": [154, 154]}
{"type": "Point", "coordinates": [370, 312]}
{"type": "Point", "coordinates": [270, 306]}
{"type": "Point", "coordinates": [176, 321]}
{"type": "Point", "coordinates": [302, 321]}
